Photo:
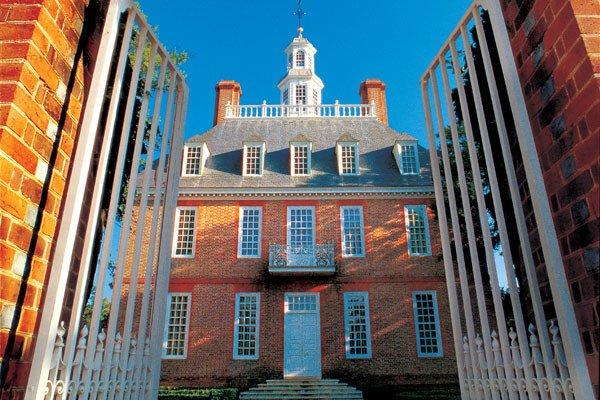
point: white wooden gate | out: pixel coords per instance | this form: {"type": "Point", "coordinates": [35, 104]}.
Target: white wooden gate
{"type": "Point", "coordinates": [136, 108]}
{"type": "Point", "coordinates": [482, 127]}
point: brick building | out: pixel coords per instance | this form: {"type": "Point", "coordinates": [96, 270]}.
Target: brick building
{"type": "Point", "coordinates": [305, 245]}
{"type": "Point", "coordinates": [557, 51]}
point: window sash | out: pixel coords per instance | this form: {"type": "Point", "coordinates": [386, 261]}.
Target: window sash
{"type": "Point", "coordinates": [417, 230]}
{"type": "Point", "coordinates": [300, 160]}
{"type": "Point", "coordinates": [301, 227]}
{"type": "Point", "coordinates": [184, 239]}
{"type": "Point", "coordinates": [253, 164]}
{"type": "Point", "coordinates": [427, 325]}
{"type": "Point", "coordinates": [250, 232]}
{"type": "Point", "coordinates": [177, 326]}
{"type": "Point", "coordinates": [358, 329]}
{"type": "Point", "coordinates": [301, 94]}
{"type": "Point", "coordinates": [247, 326]}
{"type": "Point", "coordinates": [348, 159]}
{"type": "Point", "coordinates": [353, 234]}
{"type": "Point", "coordinates": [300, 58]}
{"type": "Point", "coordinates": [193, 160]}
{"type": "Point", "coordinates": [408, 155]}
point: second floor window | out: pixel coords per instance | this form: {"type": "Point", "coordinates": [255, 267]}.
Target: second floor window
{"type": "Point", "coordinates": [353, 237]}
{"type": "Point", "coordinates": [417, 230]}
{"type": "Point", "coordinates": [249, 232]}
{"type": "Point", "coordinates": [185, 232]}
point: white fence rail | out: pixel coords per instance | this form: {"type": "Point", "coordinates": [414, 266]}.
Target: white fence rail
{"type": "Point", "coordinates": [117, 357]}
{"type": "Point", "coordinates": [319, 110]}
{"type": "Point", "coordinates": [479, 124]}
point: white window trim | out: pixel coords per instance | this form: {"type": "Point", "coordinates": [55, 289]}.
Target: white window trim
{"type": "Point", "coordinates": [440, 353]}
{"type": "Point", "coordinates": [427, 236]}
{"type": "Point", "coordinates": [187, 326]}
{"type": "Point", "coordinates": [289, 222]}
{"type": "Point", "coordinates": [237, 321]}
{"type": "Point", "coordinates": [347, 325]}
{"type": "Point", "coordinates": [176, 229]}
{"type": "Point", "coordinates": [398, 156]}
{"type": "Point", "coordinates": [241, 221]}
{"type": "Point", "coordinates": [293, 159]}
{"type": "Point", "coordinates": [262, 157]}
{"type": "Point", "coordinates": [339, 157]}
{"type": "Point", "coordinates": [362, 231]}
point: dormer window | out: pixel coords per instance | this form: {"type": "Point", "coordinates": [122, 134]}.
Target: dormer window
{"type": "Point", "coordinates": [253, 159]}
{"type": "Point", "coordinates": [194, 157]}
{"type": "Point", "coordinates": [301, 94]}
{"type": "Point", "coordinates": [300, 58]}
{"type": "Point", "coordinates": [406, 155]}
{"type": "Point", "coordinates": [347, 154]}
{"type": "Point", "coordinates": [300, 159]}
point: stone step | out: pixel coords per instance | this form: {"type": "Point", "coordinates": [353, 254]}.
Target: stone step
{"type": "Point", "coordinates": [297, 389]}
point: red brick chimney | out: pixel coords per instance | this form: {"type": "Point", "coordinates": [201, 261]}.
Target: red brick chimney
{"type": "Point", "coordinates": [227, 91]}
{"type": "Point", "coordinates": [374, 90]}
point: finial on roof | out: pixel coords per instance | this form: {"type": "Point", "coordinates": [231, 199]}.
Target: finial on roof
{"type": "Point", "coordinates": [300, 13]}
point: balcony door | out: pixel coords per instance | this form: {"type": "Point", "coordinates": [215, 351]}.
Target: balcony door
{"type": "Point", "coordinates": [301, 236]}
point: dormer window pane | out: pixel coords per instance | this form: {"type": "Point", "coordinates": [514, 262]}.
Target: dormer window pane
{"type": "Point", "coordinates": [253, 160]}
{"type": "Point", "coordinates": [193, 160]}
{"type": "Point", "coordinates": [301, 94]}
{"type": "Point", "coordinates": [409, 159]}
{"type": "Point", "coordinates": [300, 160]}
{"type": "Point", "coordinates": [348, 159]}
{"type": "Point", "coordinates": [300, 59]}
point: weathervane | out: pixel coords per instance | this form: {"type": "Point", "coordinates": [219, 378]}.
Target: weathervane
{"type": "Point", "coordinates": [299, 13]}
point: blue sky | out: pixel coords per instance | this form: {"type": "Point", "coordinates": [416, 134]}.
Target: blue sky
{"type": "Point", "coordinates": [392, 40]}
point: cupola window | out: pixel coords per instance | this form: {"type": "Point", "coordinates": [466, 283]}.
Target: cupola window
{"type": "Point", "coordinates": [300, 58]}
{"type": "Point", "coordinates": [301, 94]}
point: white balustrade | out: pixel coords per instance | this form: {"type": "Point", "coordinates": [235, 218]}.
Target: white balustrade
{"type": "Point", "coordinates": [301, 111]}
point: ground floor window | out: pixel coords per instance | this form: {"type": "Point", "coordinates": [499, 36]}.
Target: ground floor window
{"type": "Point", "coordinates": [247, 314]}
{"type": "Point", "coordinates": [358, 331]}
{"type": "Point", "coordinates": [429, 339]}
{"type": "Point", "coordinates": [177, 326]}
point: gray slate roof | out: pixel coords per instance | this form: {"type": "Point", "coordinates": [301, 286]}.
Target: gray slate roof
{"type": "Point", "coordinates": [375, 142]}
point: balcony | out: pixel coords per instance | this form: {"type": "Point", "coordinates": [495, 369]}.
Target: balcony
{"type": "Point", "coordinates": [298, 111]}
{"type": "Point", "coordinates": [301, 260]}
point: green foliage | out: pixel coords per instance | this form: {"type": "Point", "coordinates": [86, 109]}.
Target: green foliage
{"type": "Point", "coordinates": [87, 311]}
{"type": "Point", "coordinates": [176, 393]}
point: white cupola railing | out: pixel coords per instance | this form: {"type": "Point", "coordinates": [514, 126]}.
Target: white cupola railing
{"type": "Point", "coordinates": [303, 110]}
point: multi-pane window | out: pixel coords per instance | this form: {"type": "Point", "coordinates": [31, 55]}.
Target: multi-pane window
{"type": "Point", "coordinates": [353, 236]}
{"type": "Point", "coordinates": [300, 58]}
{"type": "Point", "coordinates": [301, 223]}
{"type": "Point", "coordinates": [301, 159]}
{"type": "Point", "coordinates": [253, 160]}
{"type": "Point", "coordinates": [417, 230]}
{"type": "Point", "coordinates": [408, 155]}
{"type": "Point", "coordinates": [301, 94]}
{"type": "Point", "coordinates": [290, 61]}
{"type": "Point", "coordinates": [193, 160]}
{"type": "Point", "coordinates": [429, 340]}
{"type": "Point", "coordinates": [348, 159]}
{"type": "Point", "coordinates": [285, 96]}
{"type": "Point", "coordinates": [176, 329]}
{"type": "Point", "coordinates": [247, 314]}
{"type": "Point", "coordinates": [249, 232]}
{"type": "Point", "coordinates": [298, 303]}
{"type": "Point", "coordinates": [185, 232]}
{"type": "Point", "coordinates": [358, 332]}
{"type": "Point", "coordinates": [315, 96]}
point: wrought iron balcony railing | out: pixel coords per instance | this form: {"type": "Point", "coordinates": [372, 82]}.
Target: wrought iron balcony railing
{"type": "Point", "coordinates": [301, 260]}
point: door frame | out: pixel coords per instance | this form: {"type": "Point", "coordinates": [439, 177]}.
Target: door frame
{"type": "Point", "coordinates": [318, 330]}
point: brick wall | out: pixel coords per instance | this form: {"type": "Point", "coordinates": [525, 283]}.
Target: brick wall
{"type": "Point", "coordinates": [556, 44]}
{"type": "Point", "coordinates": [46, 57]}
{"type": "Point", "coordinates": [215, 274]}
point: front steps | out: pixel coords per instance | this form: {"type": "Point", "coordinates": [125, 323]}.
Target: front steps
{"type": "Point", "coordinates": [297, 389]}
